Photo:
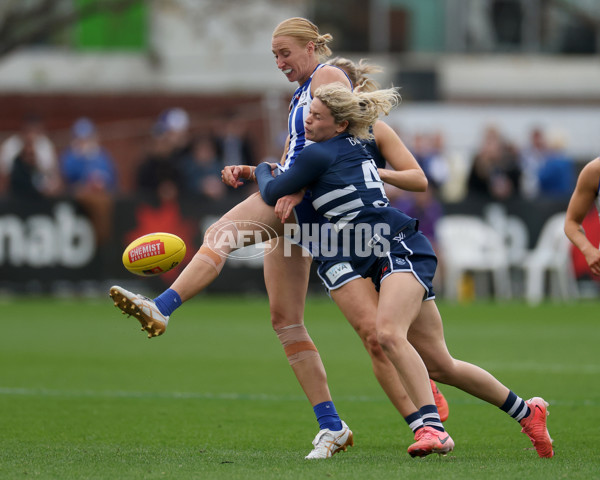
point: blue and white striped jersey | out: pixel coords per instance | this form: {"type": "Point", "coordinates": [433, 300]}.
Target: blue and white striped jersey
{"type": "Point", "coordinates": [299, 108]}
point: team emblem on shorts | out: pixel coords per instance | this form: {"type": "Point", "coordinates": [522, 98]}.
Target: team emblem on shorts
{"type": "Point", "coordinates": [401, 236]}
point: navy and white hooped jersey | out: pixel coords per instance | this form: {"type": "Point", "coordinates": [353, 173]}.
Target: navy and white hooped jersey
{"type": "Point", "coordinates": [346, 190]}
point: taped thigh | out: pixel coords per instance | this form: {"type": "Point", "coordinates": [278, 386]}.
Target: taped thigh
{"type": "Point", "coordinates": [220, 240]}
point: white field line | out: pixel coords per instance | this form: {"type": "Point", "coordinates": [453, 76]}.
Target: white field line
{"type": "Point", "coordinates": [119, 394]}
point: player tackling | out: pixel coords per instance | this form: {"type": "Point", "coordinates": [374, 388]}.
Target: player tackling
{"type": "Point", "coordinates": [346, 192]}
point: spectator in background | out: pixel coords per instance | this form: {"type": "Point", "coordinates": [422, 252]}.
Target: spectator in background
{"type": "Point", "coordinates": [175, 124]}
{"type": "Point", "coordinates": [28, 161]}
{"type": "Point", "coordinates": [234, 146]}
{"type": "Point", "coordinates": [86, 164]}
{"type": "Point", "coordinates": [533, 156]}
{"type": "Point", "coordinates": [557, 174]}
{"type": "Point", "coordinates": [26, 179]}
{"type": "Point", "coordinates": [424, 204]}
{"type": "Point", "coordinates": [428, 150]}
{"type": "Point", "coordinates": [495, 172]}
{"type": "Point", "coordinates": [202, 170]}
{"type": "Point", "coordinates": [159, 174]}
{"type": "Point", "coordinates": [91, 177]}
{"type": "Point", "coordinates": [429, 208]}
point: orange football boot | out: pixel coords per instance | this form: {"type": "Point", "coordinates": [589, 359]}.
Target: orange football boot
{"type": "Point", "coordinates": [534, 426]}
{"type": "Point", "coordinates": [429, 440]}
{"type": "Point", "coordinates": [440, 402]}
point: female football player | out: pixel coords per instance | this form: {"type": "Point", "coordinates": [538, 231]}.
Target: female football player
{"type": "Point", "coordinates": [298, 48]}
{"type": "Point", "coordinates": [386, 246]}
{"type": "Point", "coordinates": [355, 296]}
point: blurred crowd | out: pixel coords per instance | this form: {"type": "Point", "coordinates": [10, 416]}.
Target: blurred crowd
{"type": "Point", "coordinates": [497, 170]}
{"type": "Point", "coordinates": [174, 163]}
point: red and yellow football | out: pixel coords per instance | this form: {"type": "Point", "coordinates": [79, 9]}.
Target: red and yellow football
{"type": "Point", "coordinates": [154, 254]}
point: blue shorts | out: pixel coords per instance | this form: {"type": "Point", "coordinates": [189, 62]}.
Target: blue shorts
{"type": "Point", "coordinates": [414, 254]}
{"type": "Point", "coordinates": [335, 273]}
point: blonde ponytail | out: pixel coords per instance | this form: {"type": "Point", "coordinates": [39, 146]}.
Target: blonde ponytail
{"type": "Point", "coordinates": [359, 73]}
{"type": "Point", "coordinates": [360, 109]}
{"type": "Point", "coordinates": [305, 31]}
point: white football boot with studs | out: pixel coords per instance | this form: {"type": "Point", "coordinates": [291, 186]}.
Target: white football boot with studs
{"type": "Point", "coordinates": [142, 308]}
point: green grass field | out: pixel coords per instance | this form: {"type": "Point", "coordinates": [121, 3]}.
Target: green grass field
{"type": "Point", "coordinates": [84, 395]}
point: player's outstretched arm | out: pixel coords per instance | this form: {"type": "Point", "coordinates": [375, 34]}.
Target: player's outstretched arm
{"type": "Point", "coordinates": [407, 173]}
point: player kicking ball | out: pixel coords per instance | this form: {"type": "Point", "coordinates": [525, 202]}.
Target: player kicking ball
{"type": "Point", "coordinates": [402, 264]}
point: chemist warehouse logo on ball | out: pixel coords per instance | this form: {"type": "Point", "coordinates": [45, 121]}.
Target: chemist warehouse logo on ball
{"type": "Point", "coordinates": [147, 250]}
{"type": "Point", "coordinates": [247, 239]}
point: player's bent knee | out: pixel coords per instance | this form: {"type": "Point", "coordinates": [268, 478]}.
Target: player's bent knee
{"type": "Point", "coordinates": [281, 318]}
{"type": "Point", "coordinates": [222, 237]}
{"type": "Point", "coordinates": [444, 372]}
{"type": "Point", "coordinates": [296, 342]}
{"type": "Point", "coordinates": [388, 341]}
{"type": "Point", "coordinates": [372, 345]}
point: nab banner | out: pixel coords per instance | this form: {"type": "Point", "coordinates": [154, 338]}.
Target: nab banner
{"type": "Point", "coordinates": [56, 244]}
{"type": "Point", "coordinates": [56, 236]}
{"type": "Point", "coordinates": [61, 245]}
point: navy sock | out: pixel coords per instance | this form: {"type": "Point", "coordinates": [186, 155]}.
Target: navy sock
{"type": "Point", "coordinates": [414, 421]}
{"type": "Point", "coordinates": [431, 417]}
{"type": "Point", "coordinates": [167, 302]}
{"type": "Point", "coordinates": [515, 406]}
{"type": "Point", "coordinates": [327, 416]}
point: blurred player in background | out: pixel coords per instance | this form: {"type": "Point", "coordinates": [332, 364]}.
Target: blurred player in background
{"type": "Point", "coordinates": [585, 196]}
{"type": "Point", "coordinates": [344, 192]}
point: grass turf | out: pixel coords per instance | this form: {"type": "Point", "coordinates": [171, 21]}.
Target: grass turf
{"type": "Point", "coordinates": [84, 395]}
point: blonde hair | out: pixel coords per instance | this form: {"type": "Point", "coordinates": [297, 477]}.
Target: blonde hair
{"type": "Point", "coordinates": [360, 109]}
{"type": "Point", "coordinates": [305, 31]}
{"type": "Point", "coordinates": [358, 73]}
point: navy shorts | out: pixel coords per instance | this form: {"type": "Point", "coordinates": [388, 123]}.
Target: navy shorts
{"type": "Point", "coordinates": [414, 254]}
{"type": "Point", "coordinates": [335, 273]}
{"type": "Point", "coordinates": [411, 252]}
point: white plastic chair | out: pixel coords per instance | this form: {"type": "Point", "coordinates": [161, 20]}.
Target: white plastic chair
{"type": "Point", "coordinates": [468, 244]}
{"type": "Point", "coordinates": [512, 229]}
{"type": "Point", "coordinates": [552, 255]}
